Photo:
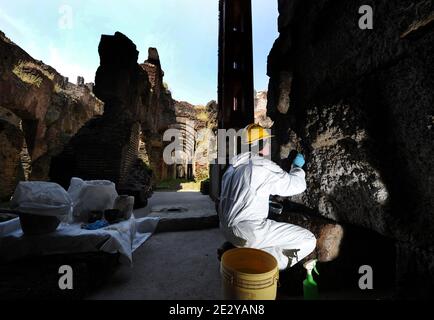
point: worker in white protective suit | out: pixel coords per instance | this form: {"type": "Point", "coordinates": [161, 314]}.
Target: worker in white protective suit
{"type": "Point", "coordinates": [244, 202]}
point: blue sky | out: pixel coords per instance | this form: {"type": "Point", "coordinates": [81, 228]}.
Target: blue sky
{"type": "Point", "coordinates": [65, 34]}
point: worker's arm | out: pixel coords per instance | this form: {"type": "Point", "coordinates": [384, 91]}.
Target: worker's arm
{"type": "Point", "coordinates": [288, 184]}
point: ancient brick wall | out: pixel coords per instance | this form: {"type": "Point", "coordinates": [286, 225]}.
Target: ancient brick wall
{"type": "Point", "coordinates": [130, 152]}
{"type": "Point", "coordinates": [107, 147]}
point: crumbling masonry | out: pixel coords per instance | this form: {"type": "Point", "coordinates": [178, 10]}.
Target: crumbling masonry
{"type": "Point", "coordinates": [107, 146]}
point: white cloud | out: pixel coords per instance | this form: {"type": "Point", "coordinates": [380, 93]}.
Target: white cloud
{"type": "Point", "coordinates": [15, 24]}
{"type": "Point", "coordinates": [67, 68]}
{"type": "Point", "coordinates": [19, 32]}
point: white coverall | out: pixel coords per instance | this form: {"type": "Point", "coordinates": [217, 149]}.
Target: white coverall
{"type": "Point", "coordinates": [244, 203]}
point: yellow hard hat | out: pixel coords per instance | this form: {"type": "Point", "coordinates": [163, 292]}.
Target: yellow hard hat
{"type": "Point", "coordinates": [254, 132]}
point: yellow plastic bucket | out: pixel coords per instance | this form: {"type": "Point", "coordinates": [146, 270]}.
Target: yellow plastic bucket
{"type": "Point", "coordinates": [249, 274]}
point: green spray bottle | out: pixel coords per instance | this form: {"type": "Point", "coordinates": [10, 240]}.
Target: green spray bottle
{"type": "Point", "coordinates": [310, 287]}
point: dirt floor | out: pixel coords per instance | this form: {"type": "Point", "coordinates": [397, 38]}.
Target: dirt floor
{"type": "Point", "coordinates": [175, 265]}
{"type": "Point", "coordinates": [172, 265]}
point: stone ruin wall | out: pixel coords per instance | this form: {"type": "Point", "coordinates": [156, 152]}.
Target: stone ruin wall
{"type": "Point", "coordinates": [163, 113]}
{"type": "Point", "coordinates": [160, 114]}
{"type": "Point", "coordinates": [107, 147]}
{"type": "Point", "coordinates": [39, 113]}
{"type": "Point", "coordinates": [359, 104]}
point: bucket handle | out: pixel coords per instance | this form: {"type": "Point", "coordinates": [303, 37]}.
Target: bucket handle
{"type": "Point", "coordinates": [276, 280]}
{"type": "Point", "coordinates": [230, 277]}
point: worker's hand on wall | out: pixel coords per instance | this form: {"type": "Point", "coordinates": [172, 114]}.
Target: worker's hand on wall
{"type": "Point", "coordinates": [299, 161]}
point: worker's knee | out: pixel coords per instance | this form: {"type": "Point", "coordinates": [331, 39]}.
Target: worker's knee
{"type": "Point", "coordinates": [283, 263]}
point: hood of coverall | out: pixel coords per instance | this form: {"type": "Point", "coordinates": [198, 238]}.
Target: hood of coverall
{"type": "Point", "coordinates": [241, 159]}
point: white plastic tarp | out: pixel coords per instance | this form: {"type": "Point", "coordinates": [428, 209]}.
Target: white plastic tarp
{"type": "Point", "coordinates": [124, 238]}
{"type": "Point", "coordinates": [41, 198]}
{"type": "Point", "coordinates": [91, 195]}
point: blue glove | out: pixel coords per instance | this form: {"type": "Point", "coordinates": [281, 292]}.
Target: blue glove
{"type": "Point", "coordinates": [99, 224]}
{"type": "Point", "coordinates": [299, 161]}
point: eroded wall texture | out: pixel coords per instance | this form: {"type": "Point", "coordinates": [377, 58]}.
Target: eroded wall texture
{"type": "Point", "coordinates": [39, 113]}
{"type": "Point", "coordinates": [359, 104]}
{"type": "Point", "coordinates": [107, 147]}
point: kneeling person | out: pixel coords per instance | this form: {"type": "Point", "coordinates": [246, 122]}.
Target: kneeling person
{"type": "Point", "coordinates": [244, 202]}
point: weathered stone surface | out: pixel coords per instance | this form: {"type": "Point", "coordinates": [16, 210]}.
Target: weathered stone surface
{"type": "Point", "coordinates": [362, 111]}
{"type": "Point", "coordinates": [119, 80]}
{"type": "Point", "coordinates": [328, 233]}
{"type": "Point", "coordinates": [206, 128]}
{"type": "Point", "coordinates": [261, 110]}
{"type": "Point", "coordinates": [160, 114]}
{"type": "Point", "coordinates": [346, 185]}
{"type": "Point", "coordinates": [285, 84]}
{"type": "Point", "coordinates": [43, 106]}
{"type": "Point", "coordinates": [11, 142]}
{"type": "Point", "coordinates": [138, 183]}
{"type": "Point", "coordinates": [163, 112]}
{"type": "Point", "coordinates": [106, 148]}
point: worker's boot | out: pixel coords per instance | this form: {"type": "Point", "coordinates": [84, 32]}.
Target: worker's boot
{"type": "Point", "coordinates": [225, 247]}
{"type": "Point", "coordinates": [292, 255]}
